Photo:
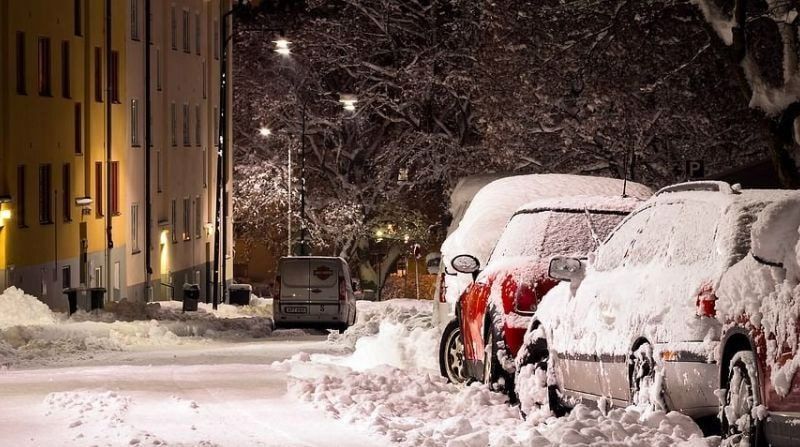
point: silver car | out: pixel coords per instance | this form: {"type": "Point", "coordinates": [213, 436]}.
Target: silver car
{"type": "Point", "coordinates": [314, 291]}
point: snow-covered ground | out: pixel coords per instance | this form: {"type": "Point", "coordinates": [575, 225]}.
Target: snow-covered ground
{"type": "Point", "coordinates": [152, 375]}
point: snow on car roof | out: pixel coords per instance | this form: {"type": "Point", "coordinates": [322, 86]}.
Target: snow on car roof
{"type": "Point", "coordinates": [590, 202]}
{"type": "Point", "coordinates": [490, 209]}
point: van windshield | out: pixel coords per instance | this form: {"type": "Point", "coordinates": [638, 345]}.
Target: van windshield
{"type": "Point", "coordinates": [545, 233]}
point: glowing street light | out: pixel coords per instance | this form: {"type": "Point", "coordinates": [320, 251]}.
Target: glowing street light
{"type": "Point", "coordinates": [264, 132]}
{"type": "Point", "coordinates": [282, 47]}
{"type": "Point", "coordinates": [348, 101]}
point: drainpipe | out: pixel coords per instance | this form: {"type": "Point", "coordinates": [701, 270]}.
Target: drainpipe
{"type": "Point", "coordinates": [109, 99]}
{"type": "Point", "coordinates": [148, 219]}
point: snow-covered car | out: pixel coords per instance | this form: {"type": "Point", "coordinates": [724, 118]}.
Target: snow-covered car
{"type": "Point", "coordinates": [495, 310]}
{"type": "Point", "coordinates": [691, 304]}
{"type": "Point", "coordinates": [480, 214]}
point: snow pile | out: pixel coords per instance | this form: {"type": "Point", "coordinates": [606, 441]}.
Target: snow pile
{"type": "Point", "coordinates": [370, 315]}
{"type": "Point", "coordinates": [18, 308]}
{"type": "Point", "coordinates": [32, 335]}
{"type": "Point", "coordinates": [424, 410]}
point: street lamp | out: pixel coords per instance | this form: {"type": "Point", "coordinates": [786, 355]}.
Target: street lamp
{"type": "Point", "coordinates": [264, 132]}
{"type": "Point", "coordinates": [282, 46]}
{"type": "Point", "coordinates": [348, 101]}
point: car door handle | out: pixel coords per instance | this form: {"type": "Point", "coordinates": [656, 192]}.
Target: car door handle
{"type": "Point", "coordinates": [316, 290]}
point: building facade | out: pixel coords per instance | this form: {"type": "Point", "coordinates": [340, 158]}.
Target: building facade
{"type": "Point", "coordinates": [73, 152]}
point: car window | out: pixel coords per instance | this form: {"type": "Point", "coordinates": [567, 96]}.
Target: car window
{"type": "Point", "coordinates": [693, 233]}
{"type": "Point", "coordinates": [294, 273]}
{"type": "Point", "coordinates": [612, 253]}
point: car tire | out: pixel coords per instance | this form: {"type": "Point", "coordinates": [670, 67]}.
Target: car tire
{"type": "Point", "coordinates": [533, 383]}
{"type": "Point", "coordinates": [741, 386]}
{"type": "Point", "coordinates": [644, 380]}
{"type": "Point", "coordinates": [451, 354]}
{"type": "Point", "coordinates": [494, 375]}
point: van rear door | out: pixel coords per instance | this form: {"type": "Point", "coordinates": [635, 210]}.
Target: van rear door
{"type": "Point", "coordinates": [294, 280]}
{"type": "Point", "coordinates": [323, 285]}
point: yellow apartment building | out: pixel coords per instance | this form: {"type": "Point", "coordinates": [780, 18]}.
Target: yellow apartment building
{"type": "Point", "coordinates": [72, 146]}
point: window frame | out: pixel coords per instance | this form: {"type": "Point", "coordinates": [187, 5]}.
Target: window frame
{"type": "Point", "coordinates": [66, 90]}
{"type": "Point", "coordinates": [66, 188]}
{"type": "Point", "coordinates": [22, 81]}
{"type": "Point", "coordinates": [45, 194]}
{"type": "Point", "coordinates": [45, 66]}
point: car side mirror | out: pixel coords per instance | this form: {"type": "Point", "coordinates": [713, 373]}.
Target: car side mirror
{"type": "Point", "coordinates": [564, 268]}
{"type": "Point", "coordinates": [466, 264]}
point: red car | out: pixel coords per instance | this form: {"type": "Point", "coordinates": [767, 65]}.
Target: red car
{"type": "Point", "coordinates": [495, 310]}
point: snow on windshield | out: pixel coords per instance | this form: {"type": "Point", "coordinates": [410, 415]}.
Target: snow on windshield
{"type": "Point", "coordinates": [543, 234]}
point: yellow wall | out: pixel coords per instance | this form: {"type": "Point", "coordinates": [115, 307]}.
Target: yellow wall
{"type": "Point", "coordinates": [41, 129]}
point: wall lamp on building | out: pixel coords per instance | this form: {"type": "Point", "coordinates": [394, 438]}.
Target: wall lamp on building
{"type": "Point", "coordinates": [5, 214]}
{"type": "Point", "coordinates": [163, 239]}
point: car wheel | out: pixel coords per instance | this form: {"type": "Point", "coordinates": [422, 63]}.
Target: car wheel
{"type": "Point", "coordinates": [740, 426]}
{"type": "Point", "coordinates": [646, 387]}
{"type": "Point", "coordinates": [534, 383]}
{"type": "Point", "coordinates": [451, 354]}
{"type": "Point", "coordinates": [494, 374]}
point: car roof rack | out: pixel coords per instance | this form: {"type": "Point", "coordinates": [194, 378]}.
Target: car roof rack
{"type": "Point", "coordinates": [702, 185]}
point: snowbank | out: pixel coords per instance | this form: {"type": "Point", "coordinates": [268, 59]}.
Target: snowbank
{"type": "Point", "coordinates": [388, 386]}
{"type": "Point", "coordinates": [32, 335]}
{"type": "Point", "coordinates": [17, 309]}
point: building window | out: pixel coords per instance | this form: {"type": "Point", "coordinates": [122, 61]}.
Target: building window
{"type": "Point", "coordinates": [197, 32]}
{"type": "Point", "coordinates": [187, 222]}
{"type": "Point", "coordinates": [173, 117]}
{"type": "Point", "coordinates": [158, 171]}
{"type": "Point", "coordinates": [21, 221]}
{"type": "Point", "coordinates": [205, 168]}
{"type": "Point", "coordinates": [78, 17]}
{"type": "Point", "coordinates": [186, 32]}
{"type": "Point", "coordinates": [44, 67]}
{"type": "Point", "coordinates": [173, 221]}
{"type": "Point", "coordinates": [98, 188]}
{"type": "Point", "coordinates": [205, 87]}
{"type": "Point", "coordinates": [135, 19]}
{"type": "Point", "coordinates": [134, 122]}
{"type": "Point", "coordinates": [197, 125]}
{"type": "Point", "coordinates": [21, 87]}
{"type": "Point", "coordinates": [174, 25]}
{"type": "Point", "coordinates": [66, 277]}
{"type": "Point", "coordinates": [66, 187]}
{"type": "Point", "coordinates": [98, 74]}
{"type": "Point", "coordinates": [216, 127]}
{"type": "Point", "coordinates": [158, 69]}
{"type": "Point", "coordinates": [45, 194]}
{"type": "Point", "coordinates": [115, 211]}
{"type": "Point", "coordinates": [198, 217]}
{"type": "Point", "coordinates": [135, 228]}
{"type": "Point", "coordinates": [78, 129]}
{"type": "Point", "coordinates": [114, 77]}
{"type": "Point", "coordinates": [65, 67]}
{"type": "Point", "coordinates": [98, 276]}
{"type": "Point", "coordinates": [186, 126]}
{"type": "Point", "coordinates": [216, 39]}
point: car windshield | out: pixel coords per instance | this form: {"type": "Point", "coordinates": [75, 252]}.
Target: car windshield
{"type": "Point", "coordinates": [541, 234]}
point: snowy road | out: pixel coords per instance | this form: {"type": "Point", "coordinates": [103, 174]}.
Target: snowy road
{"type": "Point", "coordinates": [224, 394]}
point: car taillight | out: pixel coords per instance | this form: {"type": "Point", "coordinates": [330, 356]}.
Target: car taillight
{"type": "Point", "coordinates": [526, 299]}
{"type": "Point", "coordinates": [706, 301]}
{"type": "Point", "coordinates": [442, 289]}
{"type": "Point", "coordinates": [342, 289]}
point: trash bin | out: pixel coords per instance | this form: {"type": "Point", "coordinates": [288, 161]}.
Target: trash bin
{"type": "Point", "coordinates": [191, 295]}
{"type": "Point", "coordinates": [96, 297]}
{"type": "Point", "coordinates": [240, 294]}
{"type": "Point", "coordinates": [72, 299]}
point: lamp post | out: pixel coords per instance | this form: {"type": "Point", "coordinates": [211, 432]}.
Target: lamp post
{"type": "Point", "coordinates": [266, 132]}
{"type": "Point", "coordinates": [221, 203]}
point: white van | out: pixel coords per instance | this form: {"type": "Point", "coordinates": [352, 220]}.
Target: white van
{"type": "Point", "coordinates": [314, 291]}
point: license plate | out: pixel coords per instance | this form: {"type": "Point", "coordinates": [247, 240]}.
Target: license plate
{"type": "Point", "coordinates": [295, 309]}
